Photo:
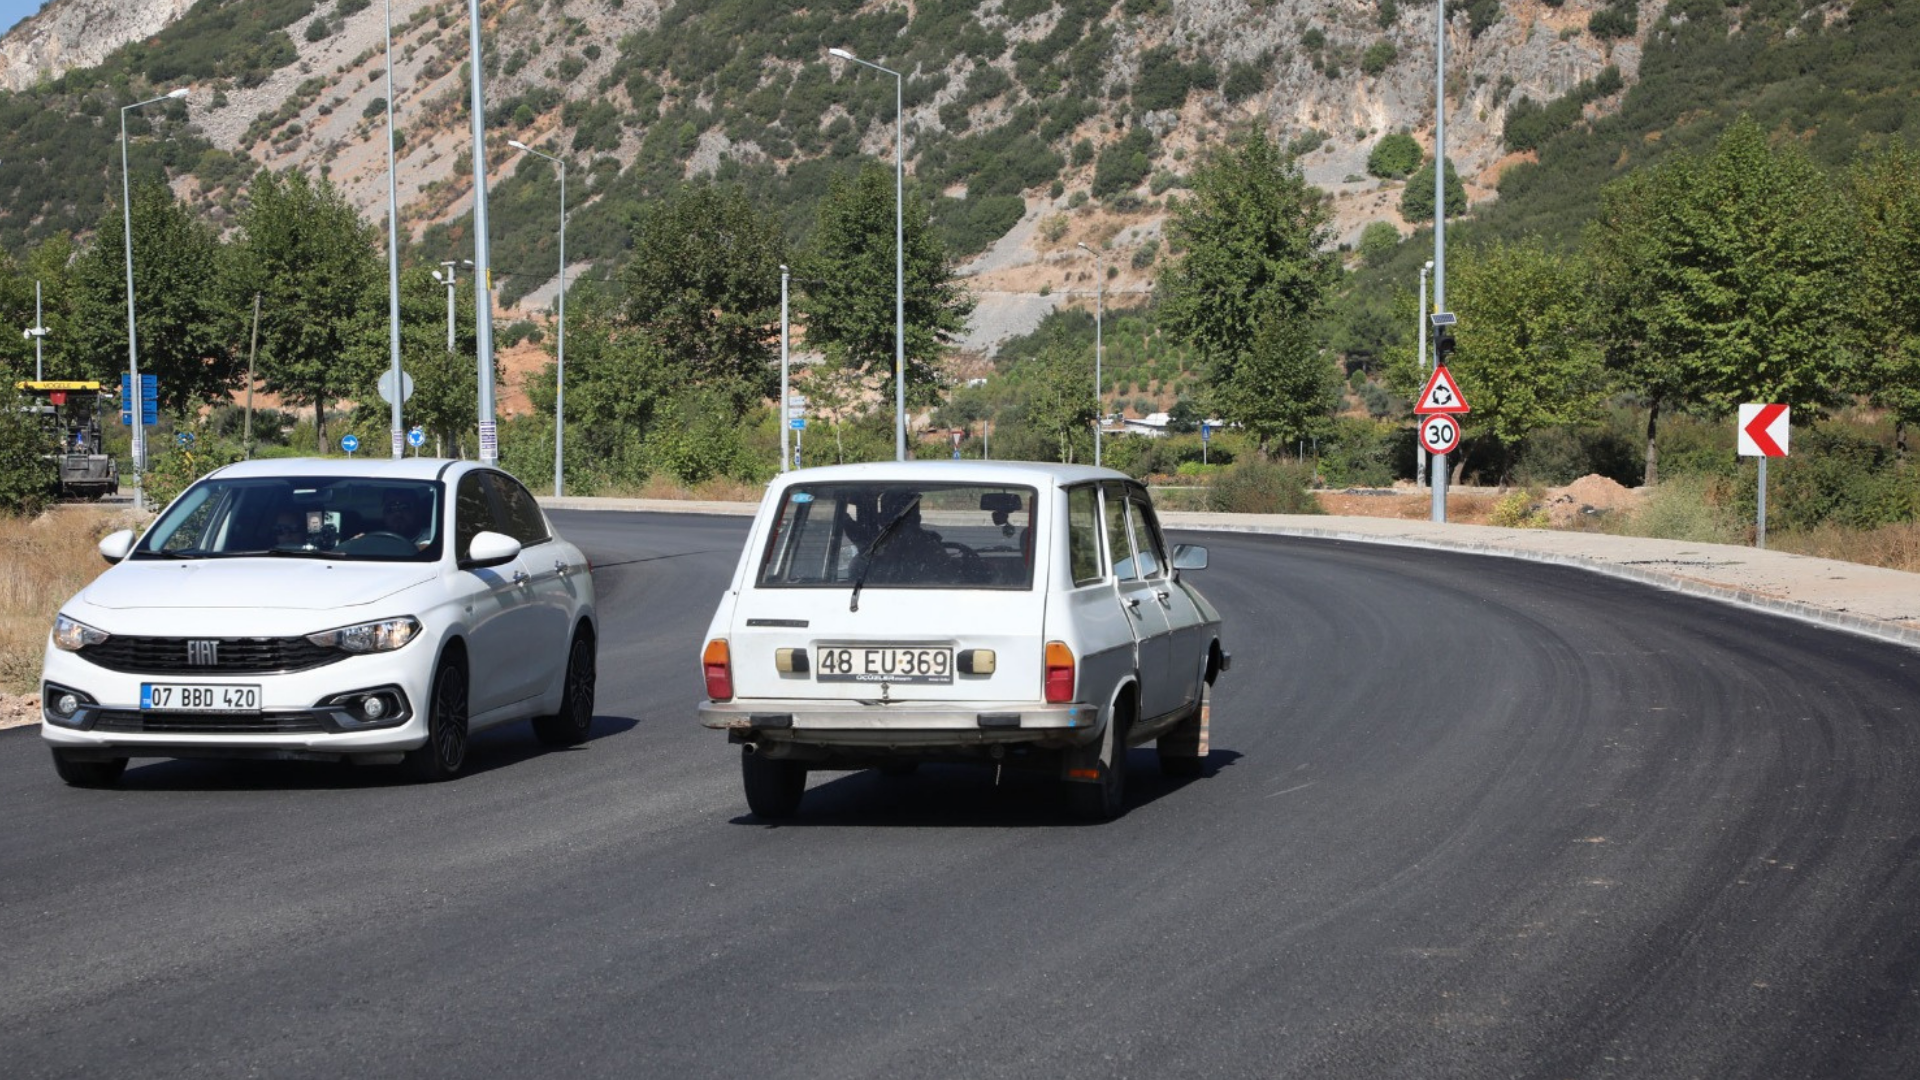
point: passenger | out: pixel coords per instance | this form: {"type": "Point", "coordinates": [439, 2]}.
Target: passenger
{"type": "Point", "coordinates": [289, 529]}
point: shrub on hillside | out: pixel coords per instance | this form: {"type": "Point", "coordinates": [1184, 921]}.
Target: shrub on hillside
{"type": "Point", "coordinates": [1395, 156]}
{"type": "Point", "coordinates": [1251, 486]}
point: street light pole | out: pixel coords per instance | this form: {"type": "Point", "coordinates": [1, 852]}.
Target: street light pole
{"type": "Point", "coordinates": [899, 256]}
{"type": "Point", "coordinates": [135, 406]}
{"type": "Point", "coordinates": [37, 331]}
{"type": "Point", "coordinates": [560, 365]}
{"type": "Point", "coordinates": [786, 421]}
{"type": "Point", "coordinates": [1438, 474]}
{"type": "Point", "coordinates": [393, 249]}
{"type": "Point", "coordinates": [1420, 451]}
{"type": "Point", "coordinates": [1099, 316]}
{"type": "Point", "coordinates": [483, 273]}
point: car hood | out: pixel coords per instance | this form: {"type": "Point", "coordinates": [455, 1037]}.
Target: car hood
{"type": "Point", "coordinates": [249, 583]}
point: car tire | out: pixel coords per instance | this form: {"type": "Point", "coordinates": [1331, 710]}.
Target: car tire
{"type": "Point", "coordinates": [1183, 747]}
{"type": "Point", "coordinates": [1106, 798]}
{"type": "Point", "coordinates": [88, 774]}
{"type": "Point", "coordinates": [774, 786]}
{"type": "Point", "coordinates": [571, 725]}
{"type": "Point", "coordinates": [444, 754]}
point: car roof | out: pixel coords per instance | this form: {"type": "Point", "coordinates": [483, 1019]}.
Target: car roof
{"type": "Point", "coordinates": [1035, 473]}
{"type": "Point", "coordinates": [408, 468]}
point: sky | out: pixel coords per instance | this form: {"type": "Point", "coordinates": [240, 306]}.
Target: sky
{"type": "Point", "coordinates": [12, 11]}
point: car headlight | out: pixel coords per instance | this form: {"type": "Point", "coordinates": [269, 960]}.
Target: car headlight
{"type": "Point", "coordinates": [72, 635]}
{"type": "Point", "coordinates": [385, 635]}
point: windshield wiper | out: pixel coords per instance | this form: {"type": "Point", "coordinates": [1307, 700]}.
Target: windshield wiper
{"type": "Point", "coordinates": [879, 540]}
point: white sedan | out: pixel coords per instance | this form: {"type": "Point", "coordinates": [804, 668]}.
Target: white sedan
{"type": "Point", "coordinates": [372, 611]}
{"type": "Point", "coordinates": [1000, 612]}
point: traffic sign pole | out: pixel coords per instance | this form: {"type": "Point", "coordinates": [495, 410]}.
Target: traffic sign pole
{"type": "Point", "coordinates": [1763, 432]}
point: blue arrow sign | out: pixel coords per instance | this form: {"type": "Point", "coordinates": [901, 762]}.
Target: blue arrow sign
{"type": "Point", "coordinates": [416, 437]}
{"type": "Point", "coordinates": [798, 423]}
{"type": "Point", "coordinates": [350, 443]}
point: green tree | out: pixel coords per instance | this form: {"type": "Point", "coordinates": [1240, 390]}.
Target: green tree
{"type": "Point", "coordinates": [1526, 356]}
{"type": "Point", "coordinates": [1718, 276]}
{"type": "Point", "coordinates": [847, 283]}
{"type": "Point", "coordinates": [1416, 202]}
{"type": "Point", "coordinates": [1254, 275]}
{"type": "Point", "coordinates": [1396, 155]}
{"type": "Point", "coordinates": [182, 324]}
{"type": "Point", "coordinates": [617, 379]}
{"type": "Point", "coordinates": [25, 476]}
{"type": "Point", "coordinates": [445, 400]}
{"type": "Point", "coordinates": [315, 264]}
{"type": "Point", "coordinates": [1056, 404]}
{"type": "Point", "coordinates": [1283, 387]}
{"type": "Point", "coordinates": [1886, 306]}
{"type": "Point", "coordinates": [705, 282]}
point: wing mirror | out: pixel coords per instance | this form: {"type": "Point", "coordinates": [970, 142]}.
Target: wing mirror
{"type": "Point", "coordinates": [1189, 557]}
{"type": "Point", "coordinates": [490, 549]}
{"type": "Point", "coordinates": [117, 545]}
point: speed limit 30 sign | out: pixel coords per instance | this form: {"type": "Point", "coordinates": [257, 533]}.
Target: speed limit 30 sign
{"type": "Point", "coordinates": [1439, 434]}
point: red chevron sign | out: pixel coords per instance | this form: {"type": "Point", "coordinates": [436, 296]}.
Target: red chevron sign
{"type": "Point", "coordinates": [1763, 430]}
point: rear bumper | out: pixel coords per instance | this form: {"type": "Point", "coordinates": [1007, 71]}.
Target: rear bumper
{"type": "Point", "coordinates": [929, 726]}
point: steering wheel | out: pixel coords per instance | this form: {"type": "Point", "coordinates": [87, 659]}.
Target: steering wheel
{"type": "Point", "coordinates": [386, 543]}
{"type": "Point", "coordinates": [972, 567]}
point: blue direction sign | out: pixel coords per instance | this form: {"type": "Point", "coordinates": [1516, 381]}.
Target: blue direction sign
{"type": "Point", "coordinates": [416, 437]}
{"type": "Point", "coordinates": [184, 438]}
{"type": "Point", "coordinates": [149, 399]}
{"type": "Point", "coordinates": [1206, 431]}
{"type": "Point", "coordinates": [350, 443]}
{"type": "Point", "coordinates": [798, 423]}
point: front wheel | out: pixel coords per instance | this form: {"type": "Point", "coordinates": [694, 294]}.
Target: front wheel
{"type": "Point", "coordinates": [774, 785]}
{"type": "Point", "coordinates": [444, 753]}
{"type": "Point", "coordinates": [88, 774]}
{"type": "Point", "coordinates": [571, 725]}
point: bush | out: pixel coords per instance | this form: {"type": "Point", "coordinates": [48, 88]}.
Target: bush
{"type": "Point", "coordinates": [25, 477]}
{"type": "Point", "coordinates": [1263, 487]}
{"type": "Point", "coordinates": [1378, 57]}
{"type": "Point", "coordinates": [1691, 507]}
{"type": "Point", "coordinates": [1395, 156]}
{"type": "Point", "coordinates": [1519, 509]}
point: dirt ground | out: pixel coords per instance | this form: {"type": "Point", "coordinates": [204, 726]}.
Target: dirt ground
{"type": "Point", "coordinates": [1579, 505]}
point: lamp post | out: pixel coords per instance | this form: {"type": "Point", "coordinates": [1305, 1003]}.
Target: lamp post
{"type": "Point", "coordinates": [1099, 314]}
{"type": "Point", "coordinates": [37, 331]}
{"type": "Point", "coordinates": [899, 257]}
{"type": "Point", "coordinates": [1420, 452]}
{"type": "Point", "coordinates": [786, 421]}
{"type": "Point", "coordinates": [393, 250]}
{"type": "Point", "coordinates": [449, 282]}
{"type": "Point", "coordinates": [1438, 474]}
{"type": "Point", "coordinates": [134, 404]}
{"type": "Point", "coordinates": [483, 274]}
{"type": "Point", "coordinates": [560, 366]}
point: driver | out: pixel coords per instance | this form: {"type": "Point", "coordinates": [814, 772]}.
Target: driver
{"type": "Point", "coordinates": [401, 516]}
{"type": "Point", "coordinates": [912, 551]}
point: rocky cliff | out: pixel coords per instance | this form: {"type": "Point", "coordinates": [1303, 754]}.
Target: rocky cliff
{"type": "Point", "coordinates": [69, 34]}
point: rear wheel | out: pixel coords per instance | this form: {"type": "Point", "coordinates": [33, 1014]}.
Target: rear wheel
{"type": "Point", "coordinates": [774, 785]}
{"type": "Point", "coordinates": [92, 774]}
{"type": "Point", "coordinates": [571, 725]}
{"type": "Point", "coordinates": [1183, 748]}
{"type": "Point", "coordinates": [1104, 799]}
{"type": "Point", "coordinates": [444, 753]}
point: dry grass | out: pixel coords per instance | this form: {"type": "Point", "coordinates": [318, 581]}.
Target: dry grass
{"type": "Point", "coordinates": [1896, 547]}
{"type": "Point", "coordinates": [43, 562]}
{"type": "Point", "coordinates": [719, 489]}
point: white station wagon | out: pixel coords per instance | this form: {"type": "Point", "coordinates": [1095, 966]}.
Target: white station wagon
{"type": "Point", "coordinates": [998, 612]}
{"type": "Point", "coordinates": [372, 611]}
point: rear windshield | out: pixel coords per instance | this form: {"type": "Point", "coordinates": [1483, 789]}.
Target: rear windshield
{"type": "Point", "coordinates": [902, 536]}
{"type": "Point", "coordinates": [332, 517]}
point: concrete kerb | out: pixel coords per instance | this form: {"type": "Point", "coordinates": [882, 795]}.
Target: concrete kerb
{"type": "Point", "coordinates": [1870, 601]}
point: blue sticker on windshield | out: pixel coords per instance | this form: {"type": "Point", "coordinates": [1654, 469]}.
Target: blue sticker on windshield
{"type": "Point", "coordinates": [802, 497]}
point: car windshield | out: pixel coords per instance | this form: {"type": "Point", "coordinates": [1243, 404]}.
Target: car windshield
{"type": "Point", "coordinates": [332, 517]}
{"type": "Point", "coordinates": [902, 535]}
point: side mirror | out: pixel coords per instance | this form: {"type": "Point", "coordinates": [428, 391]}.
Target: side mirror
{"type": "Point", "coordinates": [490, 549]}
{"type": "Point", "coordinates": [1189, 557]}
{"type": "Point", "coordinates": [117, 546]}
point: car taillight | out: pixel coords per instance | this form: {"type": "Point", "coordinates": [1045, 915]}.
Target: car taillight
{"type": "Point", "coordinates": [1059, 673]}
{"type": "Point", "coordinates": [719, 668]}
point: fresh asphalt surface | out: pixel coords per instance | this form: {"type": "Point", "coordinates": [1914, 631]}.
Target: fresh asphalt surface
{"type": "Point", "coordinates": [1464, 817]}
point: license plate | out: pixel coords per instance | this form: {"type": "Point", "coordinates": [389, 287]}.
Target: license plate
{"type": "Point", "coordinates": [883, 663]}
{"type": "Point", "coordinates": [199, 697]}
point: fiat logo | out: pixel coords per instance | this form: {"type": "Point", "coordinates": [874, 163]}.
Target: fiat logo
{"type": "Point", "coordinates": [203, 653]}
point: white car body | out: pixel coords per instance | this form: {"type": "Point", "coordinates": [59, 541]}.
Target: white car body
{"type": "Point", "coordinates": [203, 625]}
{"type": "Point", "coordinates": [797, 656]}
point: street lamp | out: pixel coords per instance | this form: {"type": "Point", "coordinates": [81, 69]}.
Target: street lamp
{"type": "Point", "coordinates": [1099, 312]}
{"type": "Point", "coordinates": [393, 250]}
{"type": "Point", "coordinates": [483, 274]}
{"type": "Point", "coordinates": [134, 404]}
{"type": "Point", "coordinates": [37, 331]}
{"type": "Point", "coordinates": [449, 282]}
{"type": "Point", "coordinates": [899, 258]}
{"type": "Point", "coordinates": [1420, 452]}
{"type": "Point", "coordinates": [1437, 474]}
{"type": "Point", "coordinates": [560, 366]}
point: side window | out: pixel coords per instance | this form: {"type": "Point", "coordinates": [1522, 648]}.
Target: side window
{"type": "Point", "coordinates": [1083, 535]}
{"type": "Point", "coordinates": [472, 512]}
{"type": "Point", "coordinates": [1119, 551]}
{"type": "Point", "coordinates": [1146, 538]}
{"type": "Point", "coordinates": [523, 519]}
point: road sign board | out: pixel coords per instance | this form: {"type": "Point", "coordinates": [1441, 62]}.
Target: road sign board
{"type": "Point", "coordinates": [1763, 430]}
{"type": "Point", "coordinates": [349, 443]}
{"type": "Point", "coordinates": [184, 438]}
{"type": "Point", "coordinates": [1441, 395]}
{"type": "Point", "coordinates": [1443, 318]}
{"type": "Point", "coordinates": [386, 386]}
{"type": "Point", "coordinates": [1439, 434]}
{"type": "Point", "coordinates": [149, 399]}
{"type": "Point", "coordinates": [416, 437]}
{"type": "Point", "coordinates": [798, 423]}
{"type": "Point", "coordinates": [1206, 431]}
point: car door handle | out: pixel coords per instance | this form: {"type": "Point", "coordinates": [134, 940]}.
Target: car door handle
{"type": "Point", "coordinates": [1133, 603]}
{"type": "Point", "coordinates": [1162, 595]}
{"type": "Point", "coordinates": [520, 577]}
{"type": "Point", "coordinates": [560, 567]}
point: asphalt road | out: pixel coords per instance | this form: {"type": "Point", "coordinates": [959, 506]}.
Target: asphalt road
{"type": "Point", "coordinates": [1464, 817]}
